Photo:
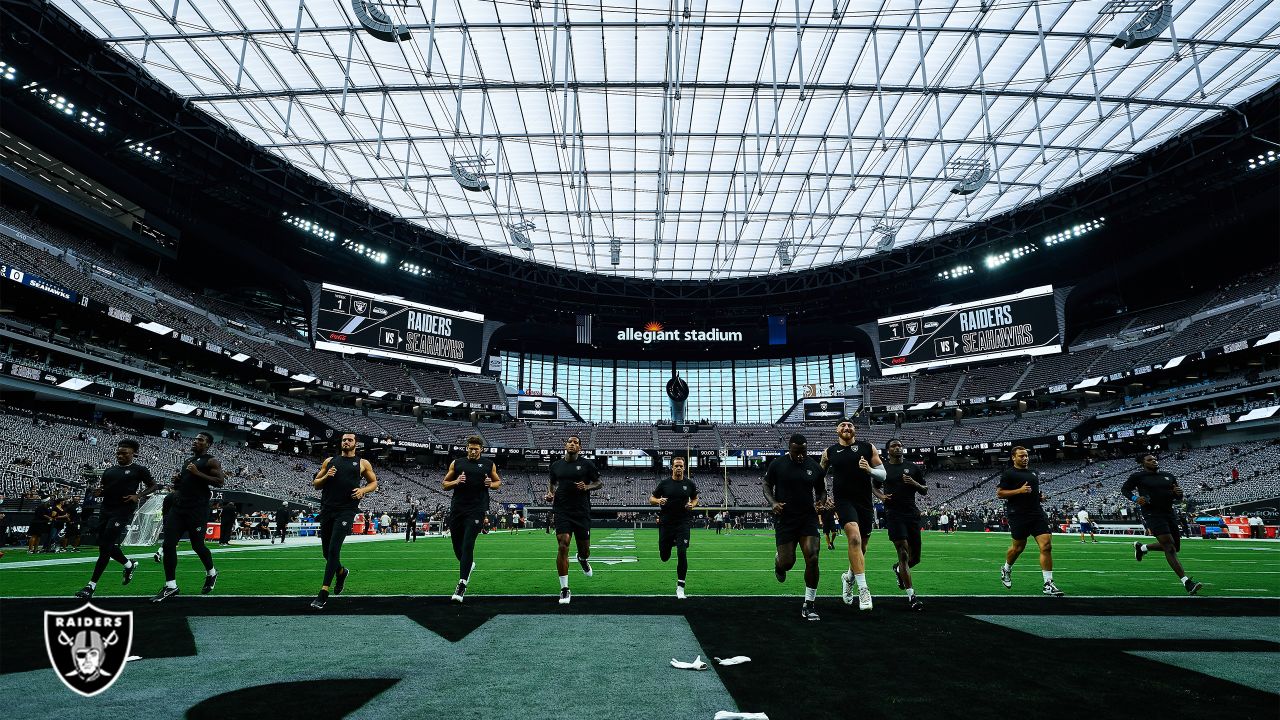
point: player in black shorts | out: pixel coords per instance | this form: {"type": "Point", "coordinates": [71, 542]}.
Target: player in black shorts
{"type": "Point", "coordinates": [901, 516]}
{"type": "Point", "coordinates": [343, 481]}
{"type": "Point", "coordinates": [675, 497]}
{"type": "Point", "coordinates": [1156, 492]}
{"type": "Point", "coordinates": [470, 479]}
{"type": "Point", "coordinates": [796, 490]}
{"type": "Point", "coordinates": [190, 513]}
{"type": "Point", "coordinates": [166, 505]}
{"type": "Point", "coordinates": [854, 466]}
{"type": "Point", "coordinates": [569, 490]}
{"type": "Point", "coordinates": [119, 492]}
{"type": "Point", "coordinates": [1020, 489]}
{"type": "Point", "coordinates": [830, 528]}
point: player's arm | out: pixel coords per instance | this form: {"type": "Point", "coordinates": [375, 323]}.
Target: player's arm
{"type": "Point", "coordinates": [213, 472]}
{"type": "Point", "coordinates": [551, 486]}
{"type": "Point", "coordinates": [820, 489]}
{"type": "Point", "coordinates": [768, 491]}
{"type": "Point", "coordinates": [655, 498]}
{"type": "Point", "coordinates": [451, 480]}
{"type": "Point", "coordinates": [693, 497]}
{"type": "Point", "coordinates": [493, 481]}
{"type": "Point", "coordinates": [1005, 494]}
{"type": "Point", "coordinates": [370, 481]}
{"type": "Point", "coordinates": [596, 483]}
{"type": "Point", "coordinates": [921, 486]}
{"type": "Point", "coordinates": [150, 488]}
{"type": "Point", "coordinates": [877, 466]}
{"type": "Point", "coordinates": [824, 461]}
{"type": "Point", "coordinates": [324, 473]}
{"type": "Point", "coordinates": [1128, 488]}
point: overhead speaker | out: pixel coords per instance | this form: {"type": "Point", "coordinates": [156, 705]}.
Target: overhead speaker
{"type": "Point", "coordinates": [1146, 27]}
{"type": "Point", "coordinates": [465, 176]}
{"type": "Point", "coordinates": [973, 180]}
{"type": "Point", "coordinates": [897, 420]}
{"type": "Point", "coordinates": [377, 22]}
{"type": "Point", "coordinates": [1019, 408]}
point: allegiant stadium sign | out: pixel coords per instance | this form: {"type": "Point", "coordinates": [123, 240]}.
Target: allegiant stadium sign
{"type": "Point", "coordinates": [654, 332]}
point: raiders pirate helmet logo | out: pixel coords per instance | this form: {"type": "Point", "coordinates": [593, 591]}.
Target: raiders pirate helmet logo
{"type": "Point", "coordinates": [88, 647]}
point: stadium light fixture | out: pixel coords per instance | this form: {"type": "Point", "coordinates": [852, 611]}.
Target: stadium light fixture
{"type": "Point", "coordinates": [7, 71]}
{"type": "Point", "coordinates": [414, 268]}
{"type": "Point", "coordinates": [970, 175]}
{"type": "Point", "coordinates": [958, 271]}
{"type": "Point", "coordinates": [1074, 231]}
{"type": "Point", "coordinates": [1263, 160]}
{"type": "Point", "coordinates": [310, 228]}
{"type": "Point", "coordinates": [359, 248]}
{"type": "Point", "coordinates": [996, 260]}
{"type": "Point", "coordinates": [615, 251]}
{"type": "Point", "coordinates": [146, 151]}
{"type": "Point", "coordinates": [61, 105]}
{"type": "Point", "coordinates": [520, 234]}
{"type": "Point", "coordinates": [784, 252]}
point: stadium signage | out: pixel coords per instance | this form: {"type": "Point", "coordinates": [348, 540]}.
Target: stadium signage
{"type": "Point", "coordinates": [1024, 323]}
{"type": "Point", "coordinates": [358, 321]}
{"type": "Point", "coordinates": [824, 409]}
{"type": "Point", "coordinates": [655, 332]}
{"type": "Point", "coordinates": [537, 408]}
{"type": "Point", "coordinates": [35, 281]}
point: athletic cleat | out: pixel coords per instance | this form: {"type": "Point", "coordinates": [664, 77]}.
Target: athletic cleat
{"type": "Point", "coordinates": [1006, 577]}
{"type": "Point", "coordinates": [846, 588]}
{"type": "Point", "coordinates": [157, 557]}
{"type": "Point", "coordinates": [831, 546]}
{"type": "Point", "coordinates": [1052, 590]}
{"type": "Point", "coordinates": [165, 593]}
{"type": "Point", "coordinates": [459, 591]}
{"type": "Point", "coordinates": [864, 599]}
{"type": "Point", "coordinates": [564, 596]}
{"type": "Point", "coordinates": [680, 592]}
{"type": "Point", "coordinates": [319, 603]}
{"type": "Point", "coordinates": [85, 593]}
{"type": "Point", "coordinates": [586, 567]}
{"type": "Point", "coordinates": [341, 582]}
{"type": "Point", "coordinates": [915, 603]}
{"type": "Point", "coordinates": [901, 585]}
{"type": "Point", "coordinates": [1138, 551]}
{"type": "Point", "coordinates": [1192, 586]}
{"type": "Point", "coordinates": [209, 582]}
{"type": "Point", "coordinates": [128, 573]}
{"type": "Point", "coordinates": [807, 612]}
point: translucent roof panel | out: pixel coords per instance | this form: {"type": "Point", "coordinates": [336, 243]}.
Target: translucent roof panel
{"type": "Point", "coordinates": [700, 139]}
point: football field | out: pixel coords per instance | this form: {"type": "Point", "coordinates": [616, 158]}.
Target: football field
{"type": "Point", "coordinates": [1126, 640]}
{"type": "Point", "coordinates": [626, 562]}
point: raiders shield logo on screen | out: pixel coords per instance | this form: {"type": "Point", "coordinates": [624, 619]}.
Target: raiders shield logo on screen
{"type": "Point", "coordinates": [88, 647]}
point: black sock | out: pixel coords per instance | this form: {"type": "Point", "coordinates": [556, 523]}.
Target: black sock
{"type": "Point", "coordinates": [680, 583]}
{"type": "Point", "coordinates": [324, 594]}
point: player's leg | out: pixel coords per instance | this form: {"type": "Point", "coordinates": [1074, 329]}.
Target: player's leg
{"type": "Point", "coordinates": [196, 534]}
{"type": "Point", "coordinates": [809, 548]}
{"type": "Point", "coordinates": [785, 558]}
{"type": "Point", "coordinates": [1044, 540]}
{"type": "Point", "coordinates": [1016, 546]}
{"type": "Point", "coordinates": [1166, 543]}
{"type": "Point", "coordinates": [665, 543]}
{"type": "Point", "coordinates": [467, 556]}
{"type": "Point", "coordinates": [582, 540]}
{"type": "Point", "coordinates": [562, 552]}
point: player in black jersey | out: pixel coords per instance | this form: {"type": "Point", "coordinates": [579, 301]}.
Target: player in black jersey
{"type": "Point", "coordinates": [572, 480]}
{"type": "Point", "coordinates": [1156, 492]}
{"type": "Point", "coordinates": [796, 491]}
{"type": "Point", "coordinates": [830, 528]}
{"type": "Point", "coordinates": [119, 492]}
{"type": "Point", "coordinates": [343, 481]}
{"type": "Point", "coordinates": [470, 479]}
{"type": "Point", "coordinates": [190, 513]}
{"type": "Point", "coordinates": [1020, 489]}
{"type": "Point", "coordinates": [854, 466]}
{"type": "Point", "coordinates": [675, 497]}
{"type": "Point", "coordinates": [901, 517]}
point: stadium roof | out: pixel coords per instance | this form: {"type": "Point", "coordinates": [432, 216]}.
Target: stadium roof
{"type": "Point", "coordinates": [699, 140]}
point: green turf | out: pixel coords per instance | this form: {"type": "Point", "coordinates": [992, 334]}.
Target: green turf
{"type": "Point", "coordinates": [737, 564]}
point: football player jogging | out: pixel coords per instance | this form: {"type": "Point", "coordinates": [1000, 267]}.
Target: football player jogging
{"type": "Point", "coordinates": [189, 514]}
{"type": "Point", "coordinates": [119, 492]}
{"type": "Point", "coordinates": [470, 479]}
{"type": "Point", "coordinates": [796, 491]}
{"type": "Point", "coordinates": [1020, 489]}
{"type": "Point", "coordinates": [343, 481]}
{"type": "Point", "coordinates": [1156, 493]}
{"type": "Point", "coordinates": [854, 465]}
{"type": "Point", "coordinates": [569, 489]}
{"type": "Point", "coordinates": [675, 497]}
{"type": "Point", "coordinates": [902, 483]}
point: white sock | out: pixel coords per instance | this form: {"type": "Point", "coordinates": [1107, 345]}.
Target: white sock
{"type": "Point", "coordinates": [93, 585]}
{"type": "Point", "coordinates": [861, 579]}
{"type": "Point", "coordinates": [213, 572]}
{"type": "Point", "coordinates": [911, 593]}
{"type": "Point", "coordinates": [1185, 579]}
{"type": "Point", "coordinates": [1142, 548]}
{"type": "Point", "coordinates": [1048, 575]}
{"type": "Point", "coordinates": [171, 583]}
{"type": "Point", "coordinates": [564, 581]}
{"type": "Point", "coordinates": [810, 594]}
{"type": "Point", "coordinates": [462, 580]}
{"type": "Point", "coordinates": [1007, 567]}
